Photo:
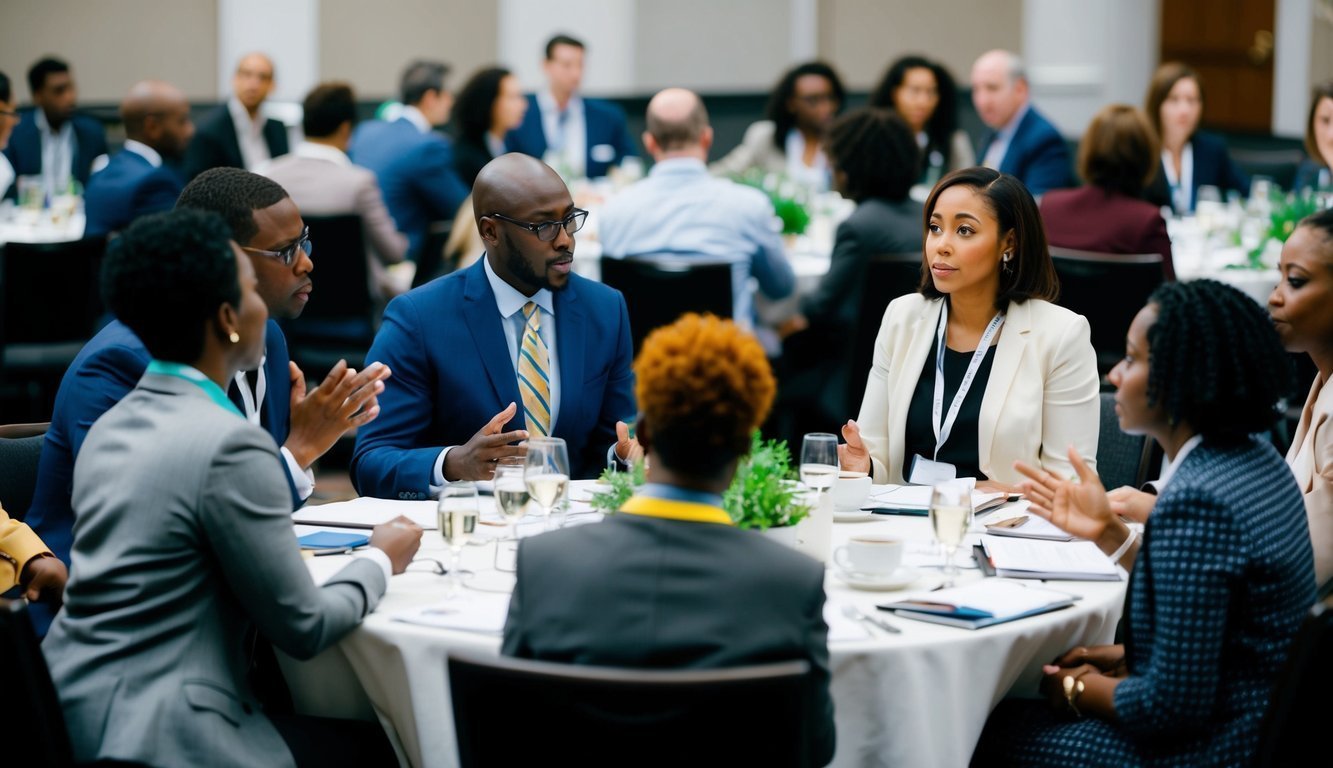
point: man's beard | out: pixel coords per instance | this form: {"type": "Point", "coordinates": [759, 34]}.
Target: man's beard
{"type": "Point", "coordinates": [520, 268]}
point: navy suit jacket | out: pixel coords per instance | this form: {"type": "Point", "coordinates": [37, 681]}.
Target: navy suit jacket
{"type": "Point", "coordinates": [604, 125]}
{"type": "Point", "coordinates": [127, 188]}
{"type": "Point", "coordinates": [1037, 155]}
{"type": "Point", "coordinates": [25, 145]}
{"type": "Point", "coordinates": [451, 374]}
{"type": "Point", "coordinates": [416, 173]}
{"type": "Point", "coordinates": [215, 144]}
{"type": "Point", "coordinates": [1213, 167]}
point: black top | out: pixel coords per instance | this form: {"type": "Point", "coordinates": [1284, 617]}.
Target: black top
{"type": "Point", "coordinates": [961, 448]}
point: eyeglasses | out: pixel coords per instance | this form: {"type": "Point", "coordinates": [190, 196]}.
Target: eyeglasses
{"type": "Point", "coordinates": [547, 230]}
{"type": "Point", "coordinates": [287, 255]}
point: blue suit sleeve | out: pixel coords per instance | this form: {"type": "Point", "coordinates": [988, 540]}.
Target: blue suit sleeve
{"type": "Point", "coordinates": [158, 193]}
{"type": "Point", "coordinates": [618, 396]}
{"type": "Point", "coordinates": [626, 147]}
{"type": "Point", "coordinates": [101, 382]}
{"type": "Point", "coordinates": [436, 180]}
{"type": "Point", "coordinates": [1049, 167]}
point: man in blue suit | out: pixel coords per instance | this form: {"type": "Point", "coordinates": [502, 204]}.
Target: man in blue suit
{"type": "Point", "coordinates": [515, 345]}
{"type": "Point", "coordinates": [588, 136]}
{"type": "Point", "coordinates": [51, 139]}
{"type": "Point", "coordinates": [137, 182]}
{"type": "Point", "coordinates": [267, 224]}
{"type": "Point", "coordinates": [1022, 142]}
{"type": "Point", "coordinates": [414, 163]}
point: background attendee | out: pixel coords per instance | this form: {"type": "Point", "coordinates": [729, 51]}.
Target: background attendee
{"type": "Point", "coordinates": [322, 181]}
{"type": "Point", "coordinates": [1191, 158]}
{"type": "Point", "coordinates": [987, 276]}
{"type": "Point", "coordinates": [490, 105]}
{"type": "Point", "coordinates": [585, 137]}
{"type": "Point", "coordinates": [51, 139]}
{"type": "Point", "coordinates": [236, 134]}
{"type": "Point", "coordinates": [790, 139]}
{"type": "Point", "coordinates": [183, 507]}
{"type": "Point", "coordinates": [1023, 143]}
{"type": "Point", "coordinates": [923, 94]}
{"type": "Point", "coordinates": [413, 162]}
{"type": "Point", "coordinates": [8, 119]}
{"type": "Point", "coordinates": [616, 593]}
{"type": "Point", "coordinates": [680, 208]}
{"type": "Point", "coordinates": [1314, 169]}
{"type": "Point", "coordinates": [1117, 159]}
{"type": "Point", "coordinates": [25, 561]}
{"type": "Point", "coordinates": [136, 182]}
{"type": "Point", "coordinates": [1223, 576]}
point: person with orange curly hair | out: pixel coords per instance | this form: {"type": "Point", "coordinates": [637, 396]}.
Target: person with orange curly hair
{"type": "Point", "coordinates": [645, 587]}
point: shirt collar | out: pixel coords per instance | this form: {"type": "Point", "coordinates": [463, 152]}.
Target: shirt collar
{"type": "Point", "coordinates": [322, 152]}
{"type": "Point", "coordinates": [1170, 470]}
{"type": "Point", "coordinates": [44, 128]}
{"type": "Point", "coordinates": [146, 152]}
{"type": "Point", "coordinates": [656, 505]}
{"type": "Point", "coordinates": [415, 117]}
{"type": "Point", "coordinates": [548, 104]}
{"type": "Point", "coordinates": [241, 116]}
{"type": "Point", "coordinates": [509, 299]}
{"type": "Point", "coordinates": [196, 377]}
{"type": "Point", "coordinates": [680, 166]}
{"type": "Point", "coordinates": [1008, 131]}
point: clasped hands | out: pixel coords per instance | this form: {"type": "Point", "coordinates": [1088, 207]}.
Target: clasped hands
{"type": "Point", "coordinates": [1098, 669]}
{"type": "Point", "coordinates": [476, 459]}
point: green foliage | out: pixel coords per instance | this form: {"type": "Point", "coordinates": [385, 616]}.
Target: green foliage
{"type": "Point", "coordinates": [1286, 214]}
{"type": "Point", "coordinates": [623, 485]}
{"type": "Point", "coordinates": [788, 203]}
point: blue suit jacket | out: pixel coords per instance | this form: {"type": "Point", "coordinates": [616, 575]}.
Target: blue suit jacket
{"type": "Point", "coordinates": [127, 188]}
{"type": "Point", "coordinates": [1213, 167]}
{"type": "Point", "coordinates": [605, 125]}
{"type": "Point", "coordinates": [416, 173]}
{"type": "Point", "coordinates": [1037, 155]}
{"type": "Point", "coordinates": [25, 145]}
{"type": "Point", "coordinates": [451, 374]}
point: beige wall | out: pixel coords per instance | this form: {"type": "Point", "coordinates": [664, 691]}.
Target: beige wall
{"type": "Point", "coordinates": [738, 45]}
{"type": "Point", "coordinates": [111, 45]}
{"type": "Point", "coordinates": [368, 43]}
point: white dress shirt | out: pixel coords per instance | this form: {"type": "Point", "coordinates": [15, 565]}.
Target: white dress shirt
{"type": "Point", "coordinates": [57, 154]}
{"type": "Point", "coordinates": [414, 116]}
{"type": "Point", "coordinates": [249, 135]}
{"type": "Point", "coordinates": [1182, 184]}
{"type": "Point", "coordinates": [566, 133]}
{"type": "Point", "coordinates": [144, 151]}
{"type": "Point", "coordinates": [814, 176]}
{"type": "Point", "coordinates": [303, 479]}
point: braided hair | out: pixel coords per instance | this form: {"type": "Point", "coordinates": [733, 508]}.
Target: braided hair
{"type": "Point", "coordinates": [1214, 360]}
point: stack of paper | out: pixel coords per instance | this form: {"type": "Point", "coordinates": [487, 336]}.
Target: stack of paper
{"type": "Point", "coordinates": [1033, 559]}
{"type": "Point", "coordinates": [981, 604]}
{"type": "Point", "coordinates": [915, 500]}
{"type": "Point", "coordinates": [366, 512]}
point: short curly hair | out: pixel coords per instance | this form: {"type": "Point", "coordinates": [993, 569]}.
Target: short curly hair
{"type": "Point", "coordinates": [166, 275]}
{"type": "Point", "coordinates": [234, 194]}
{"type": "Point", "coordinates": [704, 386]}
{"type": "Point", "coordinates": [876, 152]}
{"type": "Point", "coordinates": [1215, 361]}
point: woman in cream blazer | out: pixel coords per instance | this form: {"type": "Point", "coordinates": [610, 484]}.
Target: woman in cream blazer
{"type": "Point", "coordinates": [1041, 395]}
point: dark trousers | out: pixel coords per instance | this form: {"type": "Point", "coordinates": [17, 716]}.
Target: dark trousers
{"type": "Point", "coordinates": [328, 742]}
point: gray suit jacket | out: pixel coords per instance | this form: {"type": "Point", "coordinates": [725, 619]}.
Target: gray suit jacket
{"type": "Point", "coordinates": [182, 538]}
{"type": "Point", "coordinates": [637, 591]}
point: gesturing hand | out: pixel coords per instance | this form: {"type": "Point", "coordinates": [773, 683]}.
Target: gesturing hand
{"type": "Point", "coordinates": [345, 399]}
{"type": "Point", "coordinates": [627, 448]}
{"type": "Point", "coordinates": [475, 459]}
{"type": "Point", "coordinates": [1081, 508]}
{"type": "Point", "coordinates": [1131, 503]}
{"type": "Point", "coordinates": [853, 456]}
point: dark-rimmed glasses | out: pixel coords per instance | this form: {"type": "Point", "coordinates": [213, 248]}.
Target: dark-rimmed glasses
{"type": "Point", "coordinates": [547, 230]}
{"type": "Point", "coordinates": [286, 255]}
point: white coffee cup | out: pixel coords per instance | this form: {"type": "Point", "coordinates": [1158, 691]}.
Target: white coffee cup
{"type": "Point", "coordinates": [870, 554]}
{"type": "Point", "coordinates": [851, 490]}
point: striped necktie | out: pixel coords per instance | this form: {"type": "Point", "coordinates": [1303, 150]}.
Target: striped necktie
{"type": "Point", "coordinates": [534, 379]}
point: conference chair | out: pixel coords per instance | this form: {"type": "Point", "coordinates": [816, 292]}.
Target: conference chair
{"type": "Point", "coordinates": [659, 288]}
{"type": "Point", "coordinates": [599, 716]}
{"type": "Point", "coordinates": [1122, 459]}
{"type": "Point", "coordinates": [33, 721]}
{"type": "Point", "coordinates": [340, 320]}
{"type": "Point", "coordinates": [888, 276]}
{"type": "Point", "coordinates": [1108, 289]}
{"type": "Point", "coordinates": [20, 449]}
{"type": "Point", "coordinates": [1292, 732]}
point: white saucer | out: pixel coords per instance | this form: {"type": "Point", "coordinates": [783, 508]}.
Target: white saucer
{"type": "Point", "coordinates": [852, 515]}
{"type": "Point", "coordinates": [900, 578]}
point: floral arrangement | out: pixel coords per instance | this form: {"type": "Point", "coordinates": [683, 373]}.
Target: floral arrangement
{"type": "Point", "coordinates": [788, 203]}
{"type": "Point", "coordinates": [1287, 212]}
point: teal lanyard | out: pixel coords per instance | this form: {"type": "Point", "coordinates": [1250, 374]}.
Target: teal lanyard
{"type": "Point", "coordinates": [192, 375]}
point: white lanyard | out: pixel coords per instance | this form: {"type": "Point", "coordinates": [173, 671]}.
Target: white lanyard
{"type": "Point", "coordinates": [942, 430]}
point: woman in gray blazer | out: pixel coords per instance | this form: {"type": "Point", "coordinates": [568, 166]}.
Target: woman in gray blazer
{"type": "Point", "coordinates": [183, 535]}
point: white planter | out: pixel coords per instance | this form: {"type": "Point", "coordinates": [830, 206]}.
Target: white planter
{"type": "Point", "coordinates": [813, 536]}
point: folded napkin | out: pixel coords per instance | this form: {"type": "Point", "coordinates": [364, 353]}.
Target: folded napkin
{"type": "Point", "coordinates": [841, 628]}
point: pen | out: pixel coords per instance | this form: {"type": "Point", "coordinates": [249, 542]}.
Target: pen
{"type": "Point", "coordinates": [1013, 522]}
{"type": "Point", "coordinates": [327, 552]}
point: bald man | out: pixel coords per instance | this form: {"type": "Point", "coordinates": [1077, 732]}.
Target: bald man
{"type": "Point", "coordinates": [681, 208]}
{"type": "Point", "coordinates": [136, 182]}
{"type": "Point", "coordinates": [512, 347]}
{"type": "Point", "coordinates": [236, 134]}
{"type": "Point", "coordinates": [1021, 141]}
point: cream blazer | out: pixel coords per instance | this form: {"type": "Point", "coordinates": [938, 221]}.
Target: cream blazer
{"type": "Point", "coordinates": [1041, 396]}
{"type": "Point", "coordinates": [1311, 460]}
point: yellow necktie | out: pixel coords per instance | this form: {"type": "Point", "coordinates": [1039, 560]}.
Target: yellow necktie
{"type": "Point", "coordinates": [534, 379]}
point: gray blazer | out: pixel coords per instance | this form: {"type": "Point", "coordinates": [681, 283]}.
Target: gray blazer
{"type": "Point", "coordinates": [182, 538]}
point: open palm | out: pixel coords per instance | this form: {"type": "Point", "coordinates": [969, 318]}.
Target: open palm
{"type": "Point", "coordinates": [1079, 508]}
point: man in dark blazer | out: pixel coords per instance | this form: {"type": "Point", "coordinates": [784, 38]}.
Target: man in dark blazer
{"type": "Point", "coordinates": [454, 344]}
{"type": "Point", "coordinates": [51, 128]}
{"type": "Point", "coordinates": [236, 134]}
{"type": "Point", "coordinates": [413, 162]}
{"type": "Point", "coordinates": [590, 135]}
{"type": "Point", "coordinates": [137, 181]}
{"type": "Point", "coordinates": [1022, 143]}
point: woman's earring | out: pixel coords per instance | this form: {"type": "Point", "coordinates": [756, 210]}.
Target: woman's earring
{"type": "Point", "coordinates": [235, 337]}
{"type": "Point", "coordinates": [1004, 261]}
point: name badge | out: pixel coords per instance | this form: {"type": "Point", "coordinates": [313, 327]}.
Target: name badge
{"type": "Point", "coordinates": [602, 153]}
{"type": "Point", "coordinates": [928, 472]}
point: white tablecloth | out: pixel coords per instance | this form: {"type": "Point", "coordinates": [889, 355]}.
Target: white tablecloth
{"type": "Point", "coordinates": [22, 228]}
{"type": "Point", "coordinates": [915, 699]}
{"type": "Point", "coordinates": [1197, 255]}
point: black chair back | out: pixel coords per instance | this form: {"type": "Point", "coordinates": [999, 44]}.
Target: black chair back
{"type": "Point", "coordinates": [1108, 289]}
{"type": "Point", "coordinates": [660, 288]}
{"type": "Point", "coordinates": [50, 291]}
{"type": "Point", "coordinates": [1293, 729]}
{"type": "Point", "coordinates": [339, 322]}
{"type": "Point", "coordinates": [18, 469]}
{"type": "Point", "coordinates": [29, 707]}
{"type": "Point", "coordinates": [597, 716]}
{"type": "Point", "coordinates": [888, 276]}
{"type": "Point", "coordinates": [1122, 459]}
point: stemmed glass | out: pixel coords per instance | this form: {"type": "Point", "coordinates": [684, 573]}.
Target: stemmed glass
{"type": "Point", "coordinates": [457, 514]}
{"type": "Point", "coordinates": [511, 496]}
{"type": "Point", "coordinates": [819, 461]}
{"type": "Point", "coordinates": [950, 517]}
{"type": "Point", "coordinates": [546, 472]}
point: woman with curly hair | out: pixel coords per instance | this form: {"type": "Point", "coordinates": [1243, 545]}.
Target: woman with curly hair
{"type": "Point", "coordinates": [1223, 575]}
{"type": "Point", "coordinates": [669, 582]}
{"type": "Point", "coordinates": [923, 94]}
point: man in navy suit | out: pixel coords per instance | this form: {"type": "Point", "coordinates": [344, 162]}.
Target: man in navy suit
{"type": "Point", "coordinates": [51, 140]}
{"type": "Point", "coordinates": [587, 135]}
{"type": "Point", "coordinates": [413, 162]}
{"type": "Point", "coordinates": [471, 351]}
{"type": "Point", "coordinates": [137, 182]}
{"type": "Point", "coordinates": [1022, 142]}
{"type": "Point", "coordinates": [268, 226]}
{"type": "Point", "coordinates": [236, 134]}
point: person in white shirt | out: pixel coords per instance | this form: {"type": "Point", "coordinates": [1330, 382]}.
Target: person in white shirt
{"type": "Point", "coordinates": [237, 134]}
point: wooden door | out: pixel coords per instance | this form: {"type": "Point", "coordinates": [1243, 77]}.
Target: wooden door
{"type": "Point", "coordinates": [1230, 44]}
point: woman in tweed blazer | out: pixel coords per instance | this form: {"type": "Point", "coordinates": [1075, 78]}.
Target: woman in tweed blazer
{"type": "Point", "coordinates": [1225, 572]}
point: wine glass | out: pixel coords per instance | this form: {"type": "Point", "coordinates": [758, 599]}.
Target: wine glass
{"type": "Point", "coordinates": [819, 460]}
{"type": "Point", "coordinates": [511, 496]}
{"type": "Point", "coordinates": [546, 472]}
{"type": "Point", "coordinates": [457, 515]}
{"type": "Point", "coordinates": [950, 517]}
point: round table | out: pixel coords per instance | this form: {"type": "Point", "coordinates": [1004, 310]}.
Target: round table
{"type": "Point", "coordinates": [917, 698]}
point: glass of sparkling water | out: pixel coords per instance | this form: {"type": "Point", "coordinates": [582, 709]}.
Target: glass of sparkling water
{"type": "Point", "coordinates": [511, 497]}
{"type": "Point", "coordinates": [819, 461]}
{"type": "Point", "coordinates": [457, 514]}
{"type": "Point", "coordinates": [546, 472]}
{"type": "Point", "coordinates": [950, 518]}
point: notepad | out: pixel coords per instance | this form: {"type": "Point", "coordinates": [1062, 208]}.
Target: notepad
{"type": "Point", "coordinates": [915, 500]}
{"type": "Point", "coordinates": [1033, 528]}
{"type": "Point", "coordinates": [366, 512]}
{"type": "Point", "coordinates": [1033, 559]}
{"type": "Point", "coordinates": [332, 540]}
{"type": "Point", "coordinates": [981, 604]}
